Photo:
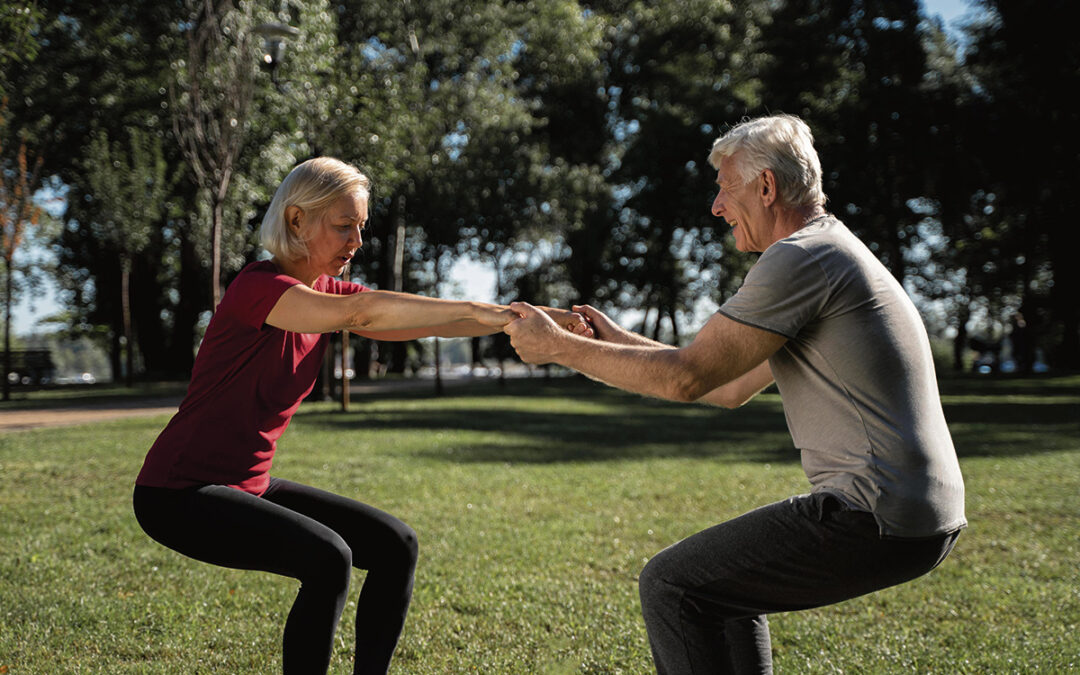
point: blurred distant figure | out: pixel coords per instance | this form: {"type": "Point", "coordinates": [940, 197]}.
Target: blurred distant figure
{"type": "Point", "coordinates": [1019, 335]}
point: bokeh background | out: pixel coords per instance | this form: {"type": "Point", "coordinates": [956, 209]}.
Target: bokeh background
{"type": "Point", "coordinates": [552, 151]}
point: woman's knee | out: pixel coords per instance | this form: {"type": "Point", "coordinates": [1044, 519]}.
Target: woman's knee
{"type": "Point", "coordinates": [408, 545]}
{"type": "Point", "coordinates": [329, 562]}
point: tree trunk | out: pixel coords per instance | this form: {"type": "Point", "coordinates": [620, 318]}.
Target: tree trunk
{"type": "Point", "coordinates": [125, 310]}
{"type": "Point", "coordinates": [960, 341]}
{"type": "Point", "coordinates": [215, 265]}
{"type": "Point", "coordinates": [345, 356]}
{"type": "Point", "coordinates": [7, 330]}
{"type": "Point", "coordinates": [674, 325]}
{"type": "Point", "coordinates": [438, 369]}
{"type": "Point", "coordinates": [398, 351]}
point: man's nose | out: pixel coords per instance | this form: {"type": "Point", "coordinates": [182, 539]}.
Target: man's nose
{"type": "Point", "coordinates": [717, 205]}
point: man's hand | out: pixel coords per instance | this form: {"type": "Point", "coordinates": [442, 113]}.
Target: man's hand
{"type": "Point", "coordinates": [534, 335]}
{"type": "Point", "coordinates": [573, 321]}
{"type": "Point", "coordinates": [603, 327]}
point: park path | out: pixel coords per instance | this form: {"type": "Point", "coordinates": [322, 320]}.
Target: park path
{"type": "Point", "coordinates": [86, 413]}
{"type": "Point", "coordinates": [101, 411]}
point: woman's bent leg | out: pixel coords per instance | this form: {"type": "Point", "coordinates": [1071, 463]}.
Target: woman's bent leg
{"type": "Point", "coordinates": [228, 527]}
{"type": "Point", "coordinates": [381, 544]}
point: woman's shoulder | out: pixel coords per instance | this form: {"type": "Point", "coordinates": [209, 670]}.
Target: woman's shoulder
{"type": "Point", "coordinates": [328, 284]}
{"type": "Point", "coordinates": [255, 289]}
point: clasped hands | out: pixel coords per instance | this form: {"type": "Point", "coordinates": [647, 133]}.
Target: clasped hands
{"type": "Point", "coordinates": [539, 333]}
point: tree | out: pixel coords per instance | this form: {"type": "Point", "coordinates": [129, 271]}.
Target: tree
{"type": "Point", "coordinates": [105, 66]}
{"type": "Point", "coordinates": [130, 183]}
{"type": "Point", "coordinates": [18, 181]}
{"type": "Point", "coordinates": [211, 99]}
{"type": "Point", "coordinates": [675, 76]}
{"type": "Point", "coordinates": [18, 24]}
{"type": "Point", "coordinates": [1023, 58]}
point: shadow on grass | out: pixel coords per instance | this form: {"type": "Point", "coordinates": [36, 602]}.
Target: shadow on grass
{"type": "Point", "coordinates": [1010, 416]}
{"type": "Point", "coordinates": [634, 428]}
{"type": "Point", "coordinates": [1046, 419]}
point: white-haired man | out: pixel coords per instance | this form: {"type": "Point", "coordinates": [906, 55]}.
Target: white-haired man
{"type": "Point", "coordinates": [820, 315]}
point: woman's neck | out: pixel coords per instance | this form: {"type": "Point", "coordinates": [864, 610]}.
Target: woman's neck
{"type": "Point", "coordinates": [297, 269]}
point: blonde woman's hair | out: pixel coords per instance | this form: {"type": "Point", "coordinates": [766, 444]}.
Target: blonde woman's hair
{"type": "Point", "coordinates": [312, 186]}
{"type": "Point", "coordinates": [782, 143]}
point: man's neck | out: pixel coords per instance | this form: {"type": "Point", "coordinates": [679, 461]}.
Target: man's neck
{"type": "Point", "coordinates": [790, 221]}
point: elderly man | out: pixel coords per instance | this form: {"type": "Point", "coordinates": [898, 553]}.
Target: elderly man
{"type": "Point", "coordinates": [820, 315]}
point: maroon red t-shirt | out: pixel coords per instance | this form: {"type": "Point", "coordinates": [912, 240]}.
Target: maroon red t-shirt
{"type": "Point", "coordinates": [248, 380]}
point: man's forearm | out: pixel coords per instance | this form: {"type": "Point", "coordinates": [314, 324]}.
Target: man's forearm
{"type": "Point", "coordinates": [648, 368]}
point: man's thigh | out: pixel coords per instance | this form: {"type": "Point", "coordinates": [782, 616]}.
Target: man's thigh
{"type": "Point", "coordinates": [802, 552]}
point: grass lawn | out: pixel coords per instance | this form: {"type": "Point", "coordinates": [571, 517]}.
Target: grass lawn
{"type": "Point", "coordinates": [537, 505]}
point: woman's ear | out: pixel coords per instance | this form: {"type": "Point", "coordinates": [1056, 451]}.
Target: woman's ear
{"type": "Point", "coordinates": [294, 215]}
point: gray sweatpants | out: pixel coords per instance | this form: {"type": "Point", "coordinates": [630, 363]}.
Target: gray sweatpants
{"type": "Point", "coordinates": [706, 597]}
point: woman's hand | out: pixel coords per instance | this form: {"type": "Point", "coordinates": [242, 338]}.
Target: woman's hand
{"type": "Point", "coordinates": [493, 316]}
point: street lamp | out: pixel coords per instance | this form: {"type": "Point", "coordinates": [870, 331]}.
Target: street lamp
{"type": "Point", "coordinates": [274, 36]}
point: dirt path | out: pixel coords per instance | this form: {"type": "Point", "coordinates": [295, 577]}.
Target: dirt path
{"type": "Point", "coordinates": [101, 411]}
{"type": "Point", "coordinates": [98, 411]}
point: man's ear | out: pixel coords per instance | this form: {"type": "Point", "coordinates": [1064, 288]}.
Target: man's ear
{"type": "Point", "coordinates": [768, 187]}
{"type": "Point", "coordinates": [293, 217]}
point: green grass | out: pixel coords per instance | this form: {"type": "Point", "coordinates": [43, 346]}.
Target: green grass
{"type": "Point", "coordinates": [537, 506]}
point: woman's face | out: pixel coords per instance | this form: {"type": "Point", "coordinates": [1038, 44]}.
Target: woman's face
{"type": "Point", "coordinates": [334, 237]}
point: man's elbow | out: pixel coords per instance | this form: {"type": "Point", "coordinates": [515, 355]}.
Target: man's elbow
{"type": "Point", "coordinates": [688, 388]}
{"type": "Point", "coordinates": [723, 401]}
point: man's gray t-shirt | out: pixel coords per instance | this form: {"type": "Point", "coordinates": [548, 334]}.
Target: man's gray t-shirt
{"type": "Point", "coordinates": [856, 378]}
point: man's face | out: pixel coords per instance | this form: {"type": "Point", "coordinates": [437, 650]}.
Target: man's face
{"type": "Point", "coordinates": [739, 204]}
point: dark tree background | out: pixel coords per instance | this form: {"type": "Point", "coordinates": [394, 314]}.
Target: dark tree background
{"type": "Point", "coordinates": [563, 144]}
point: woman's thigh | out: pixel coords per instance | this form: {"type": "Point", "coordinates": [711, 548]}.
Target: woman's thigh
{"type": "Point", "coordinates": [231, 528]}
{"type": "Point", "coordinates": [375, 537]}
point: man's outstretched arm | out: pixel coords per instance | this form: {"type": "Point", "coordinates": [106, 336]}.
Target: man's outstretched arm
{"type": "Point", "coordinates": [721, 353]}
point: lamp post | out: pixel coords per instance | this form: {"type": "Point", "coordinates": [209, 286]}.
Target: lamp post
{"type": "Point", "coordinates": [275, 34]}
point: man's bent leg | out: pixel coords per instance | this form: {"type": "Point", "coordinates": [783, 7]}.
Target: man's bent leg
{"type": "Point", "coordinates": [704, 598]}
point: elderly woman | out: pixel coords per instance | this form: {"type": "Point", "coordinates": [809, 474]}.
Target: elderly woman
{"type": "Point", "coordinates": [205, 488]}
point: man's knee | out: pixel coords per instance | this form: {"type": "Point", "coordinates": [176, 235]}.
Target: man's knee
{"type": "Point", "coordinates": [655, 582]}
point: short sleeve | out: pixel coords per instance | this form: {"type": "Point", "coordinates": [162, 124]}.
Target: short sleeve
{"type": "Point", "coordinates": [783, 291]}
{"type": "Point", "coordinates": [254, 292]}
{"type": "Point", "coordinates": [338, 287]}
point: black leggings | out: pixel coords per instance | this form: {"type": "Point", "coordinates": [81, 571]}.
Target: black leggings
{"type": "Point", "coordinates": [308, 534]}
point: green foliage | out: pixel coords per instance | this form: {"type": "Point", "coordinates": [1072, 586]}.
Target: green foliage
{"type": "Point", "coordinates": [131, 182]}
{"type": "Point", "coordinates": [19, 21]}
{"type": "Point", "coordinates": [537, 505]}
{"type": "Point", "coordinates": [564, 143]}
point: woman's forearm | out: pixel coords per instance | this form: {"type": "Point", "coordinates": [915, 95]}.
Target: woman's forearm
{"type": "Point", "coordinates": [382, 311]}
{"type": "Point", "coordinates": [458, 329]}
{"type": "Point", "coordinates": [303, 310]}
